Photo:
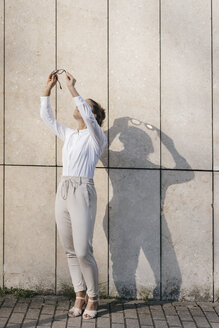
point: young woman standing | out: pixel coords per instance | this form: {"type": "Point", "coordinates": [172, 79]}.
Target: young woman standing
{"type": "Point", "coordinates": [76, 197]}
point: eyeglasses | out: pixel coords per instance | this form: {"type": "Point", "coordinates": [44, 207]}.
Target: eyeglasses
{"type": "Point", "coordinates": [58, 71]}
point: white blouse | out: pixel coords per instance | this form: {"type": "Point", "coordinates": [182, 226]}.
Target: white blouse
{"type": "Point", "coordinates": [82, 148]}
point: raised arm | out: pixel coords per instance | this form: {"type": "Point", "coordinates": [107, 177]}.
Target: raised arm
{"type": "Point", "coordinates": [94, 128]}
{"type": "Point", "coordinates": [96, 132]}
{"type": "Point", "coordinates": [46, 113]}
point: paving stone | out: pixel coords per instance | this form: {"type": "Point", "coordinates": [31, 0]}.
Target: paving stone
{"type": "Point", "coordinates": [32, 313]}
{"type": "Point", "coordinates": [189, 324]}
{"type": "Point", "coordinates": [132, 323]}
{"type": "Point", "coordinates": [117, 317]}
{"type": "Point", "coordinates": [157, 314]}
{"type": "Point", "coordinates": [185, 315]}
{"type": "Point", "coordinates": [145, 319]}
{"type": "Point", "coordinates": [90, 323]}
{"type": "Point", "coordinates": [130, 313]}
{"type": "Point", "coordinates": [160, 324]}
{"type": "Point", "coordinates": [74, 322]}
{"type": "Point", "coordinates": [201, 321]}
{"type": "Point", "coordinates": [103, 322]}
{"type": "Point", "coordinates": [173, 320]}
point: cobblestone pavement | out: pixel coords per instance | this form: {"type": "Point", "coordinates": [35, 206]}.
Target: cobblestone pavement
{"type": "Point", "coordinates": [51, 311]}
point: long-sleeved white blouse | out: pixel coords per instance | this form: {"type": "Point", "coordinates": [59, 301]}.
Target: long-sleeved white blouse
{"type": "Point", "coordinates": [82, 148]}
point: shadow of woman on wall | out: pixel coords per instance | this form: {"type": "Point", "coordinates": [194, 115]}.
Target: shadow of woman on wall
{"type": "Point", "coordinates": [136, 218]}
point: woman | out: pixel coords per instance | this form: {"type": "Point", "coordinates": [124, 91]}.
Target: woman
{"type": "Point", "coordinates": [76, 197]}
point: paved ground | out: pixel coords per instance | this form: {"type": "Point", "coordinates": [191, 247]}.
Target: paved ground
{"type": "Point", "coordinates": [51, 311]}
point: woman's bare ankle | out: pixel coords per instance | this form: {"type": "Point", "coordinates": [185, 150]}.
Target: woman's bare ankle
{"type": "Point", "coordinates": [81, 293]}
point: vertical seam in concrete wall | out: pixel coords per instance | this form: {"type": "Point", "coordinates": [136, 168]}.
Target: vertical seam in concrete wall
{"type": "Point", "coordinates": [3, 187]}
{"type": "Point", "coordinates": [160, 153]}
{"type": "Point", "coordinates": [212, 131]}
{"type": "Point", "coordinates": [108, 146]}
{"type": "Point", "coordinates": [55, 145]}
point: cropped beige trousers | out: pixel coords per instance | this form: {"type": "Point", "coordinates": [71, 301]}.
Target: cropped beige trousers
{"type": "Point", "coordinates": [75, 212]}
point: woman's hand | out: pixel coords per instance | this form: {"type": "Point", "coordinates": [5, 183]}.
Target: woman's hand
{"type": "Point", "coordinates": [70, 80]}
{"type": "Point", "coordinates": [51, 82]}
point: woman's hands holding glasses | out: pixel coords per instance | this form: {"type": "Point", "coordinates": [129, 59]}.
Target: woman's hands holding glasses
{"type": "Point", "coordinates": [69, 78]}
{"type": "Point", "coordinates": [53, 78]}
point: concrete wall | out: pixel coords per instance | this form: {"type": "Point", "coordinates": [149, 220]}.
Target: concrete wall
{"type": "Point", "coordinates": [146, 61]}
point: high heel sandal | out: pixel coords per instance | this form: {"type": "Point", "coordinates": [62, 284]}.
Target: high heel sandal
{"type": "Point", "coordinates": [74, 311]}
{"type": "Point", "coordinates": [92, 313]}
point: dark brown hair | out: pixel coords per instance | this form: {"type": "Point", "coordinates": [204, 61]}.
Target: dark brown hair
{"type": "Point", "coordinates": [99, 111]}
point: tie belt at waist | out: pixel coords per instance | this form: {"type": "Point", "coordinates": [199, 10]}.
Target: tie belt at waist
{"type": "Point", "coordinates": [75, 182]}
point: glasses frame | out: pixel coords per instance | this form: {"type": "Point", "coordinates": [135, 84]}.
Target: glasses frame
{"type": "Point", "coordinates": [58, 71]}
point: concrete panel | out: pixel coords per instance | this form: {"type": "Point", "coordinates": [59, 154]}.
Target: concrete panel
{"type": "Point", "coordinates": [134, 231]}
{"type": "Point", "coordinates": [216, 234]}
{"type": "Point", "coordinates": [100, 237]}
{"type": "Point", "coordinates": [215, 36]}
{"type": "Point", "coordinates": [134, 83]}
{"type": "Point", "coordinates": [2, 77]}
{"type": "Point", "coordinates": [186, 235]}
{"type": "Point", "coordinates": [186, 82]}
{"type": "Point", "coordinates": [82, 50]}
{"type": "Point", "coordinates": [30, 56]}
{"type": "Point", "coordinates": [30, 228]}
{"type": "Point", "coordinates": [1, 226]}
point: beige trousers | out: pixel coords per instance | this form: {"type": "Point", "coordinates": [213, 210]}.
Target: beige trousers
{"type": "Point", "coordinates": [75, 212]}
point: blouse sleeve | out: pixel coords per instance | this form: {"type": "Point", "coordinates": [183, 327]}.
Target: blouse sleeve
{"type": "Point", "coordinates": [96, 132]}
{"type": "Point", "coordinates": [46, 113]}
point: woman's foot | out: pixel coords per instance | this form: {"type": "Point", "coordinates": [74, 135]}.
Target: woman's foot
{"type": "Point", "coordinates": [91, 308]}
{"type": "Point", "coordinates": [79, 303]}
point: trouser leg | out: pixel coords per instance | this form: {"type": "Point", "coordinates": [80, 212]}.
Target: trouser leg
{"type": "Point", "coordinates": [82, 208]}
{"type": "Point", "coordinates": [64, 228]}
